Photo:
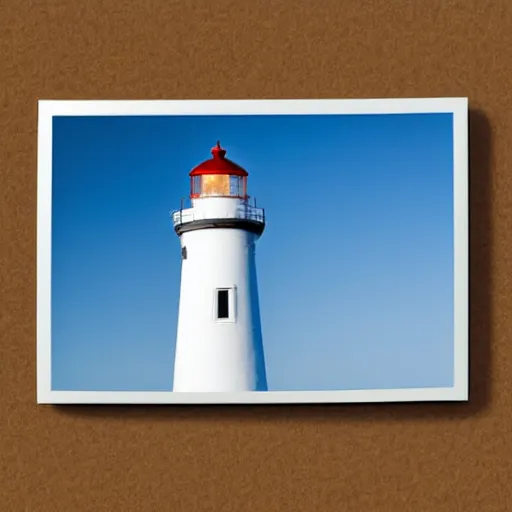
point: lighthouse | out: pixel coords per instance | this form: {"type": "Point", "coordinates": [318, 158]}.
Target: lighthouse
{"type": "Point", "coordinates": [219, 346]}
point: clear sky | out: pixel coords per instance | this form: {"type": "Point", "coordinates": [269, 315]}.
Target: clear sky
{"type": "Point", "coordinates": [355, 267]}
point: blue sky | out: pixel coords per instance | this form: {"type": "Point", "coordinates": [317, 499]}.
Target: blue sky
{"type": "Point", "coordinates": [355, 267]}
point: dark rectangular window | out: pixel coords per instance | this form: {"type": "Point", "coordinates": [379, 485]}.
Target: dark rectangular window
{"type": "Point", "coordinates": [222, 304]}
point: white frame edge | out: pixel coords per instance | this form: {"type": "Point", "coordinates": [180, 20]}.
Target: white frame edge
{"type": "Point", "coordinates": [50, 108]}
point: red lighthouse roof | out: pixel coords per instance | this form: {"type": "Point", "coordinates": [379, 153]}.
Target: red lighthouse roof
{"type": "Point", "coordinates": [218, 164]}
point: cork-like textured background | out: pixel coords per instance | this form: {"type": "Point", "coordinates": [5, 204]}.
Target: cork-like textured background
{"type": "Point", "coordinates": [361, 458]}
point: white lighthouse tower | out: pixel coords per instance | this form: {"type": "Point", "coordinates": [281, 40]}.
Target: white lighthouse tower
{"type": "Point", "coordinates": [219, 344]}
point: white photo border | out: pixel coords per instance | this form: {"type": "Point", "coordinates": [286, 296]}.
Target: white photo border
{"type": "Point", "coordinates": [458, 106]}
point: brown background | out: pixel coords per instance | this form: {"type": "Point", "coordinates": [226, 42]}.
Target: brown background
{"type": "Point", "coordinates": [368, 458]}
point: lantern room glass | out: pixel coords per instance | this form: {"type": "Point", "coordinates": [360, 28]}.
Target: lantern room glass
{"type": "Point", "coordinates": [218, 185]}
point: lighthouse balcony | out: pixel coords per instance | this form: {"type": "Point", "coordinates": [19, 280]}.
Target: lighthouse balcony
{"type": "Point", "coordinates": [243, 217]}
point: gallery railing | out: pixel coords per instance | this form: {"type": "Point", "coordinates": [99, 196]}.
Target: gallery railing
{"type": "Point", "coordinates": [243, 212]}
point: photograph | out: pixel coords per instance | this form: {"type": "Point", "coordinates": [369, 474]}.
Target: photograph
{"type": "Point", "coordinates": [252, 251]}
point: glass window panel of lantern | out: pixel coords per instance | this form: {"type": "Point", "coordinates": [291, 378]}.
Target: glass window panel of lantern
{"type": "Point", "coordinates": [235, 186]}
{"type": "Point", "coordinates": [215, 185]}
{"type": "Point", "coordinates": [196, 185]}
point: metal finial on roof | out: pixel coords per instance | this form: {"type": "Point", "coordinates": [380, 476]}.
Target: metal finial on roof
{"type": "Point", "coordinates": [217, 151]}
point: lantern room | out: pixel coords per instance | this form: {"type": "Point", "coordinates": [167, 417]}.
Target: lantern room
{"type": "Point", "coordinates": [218, 177]}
